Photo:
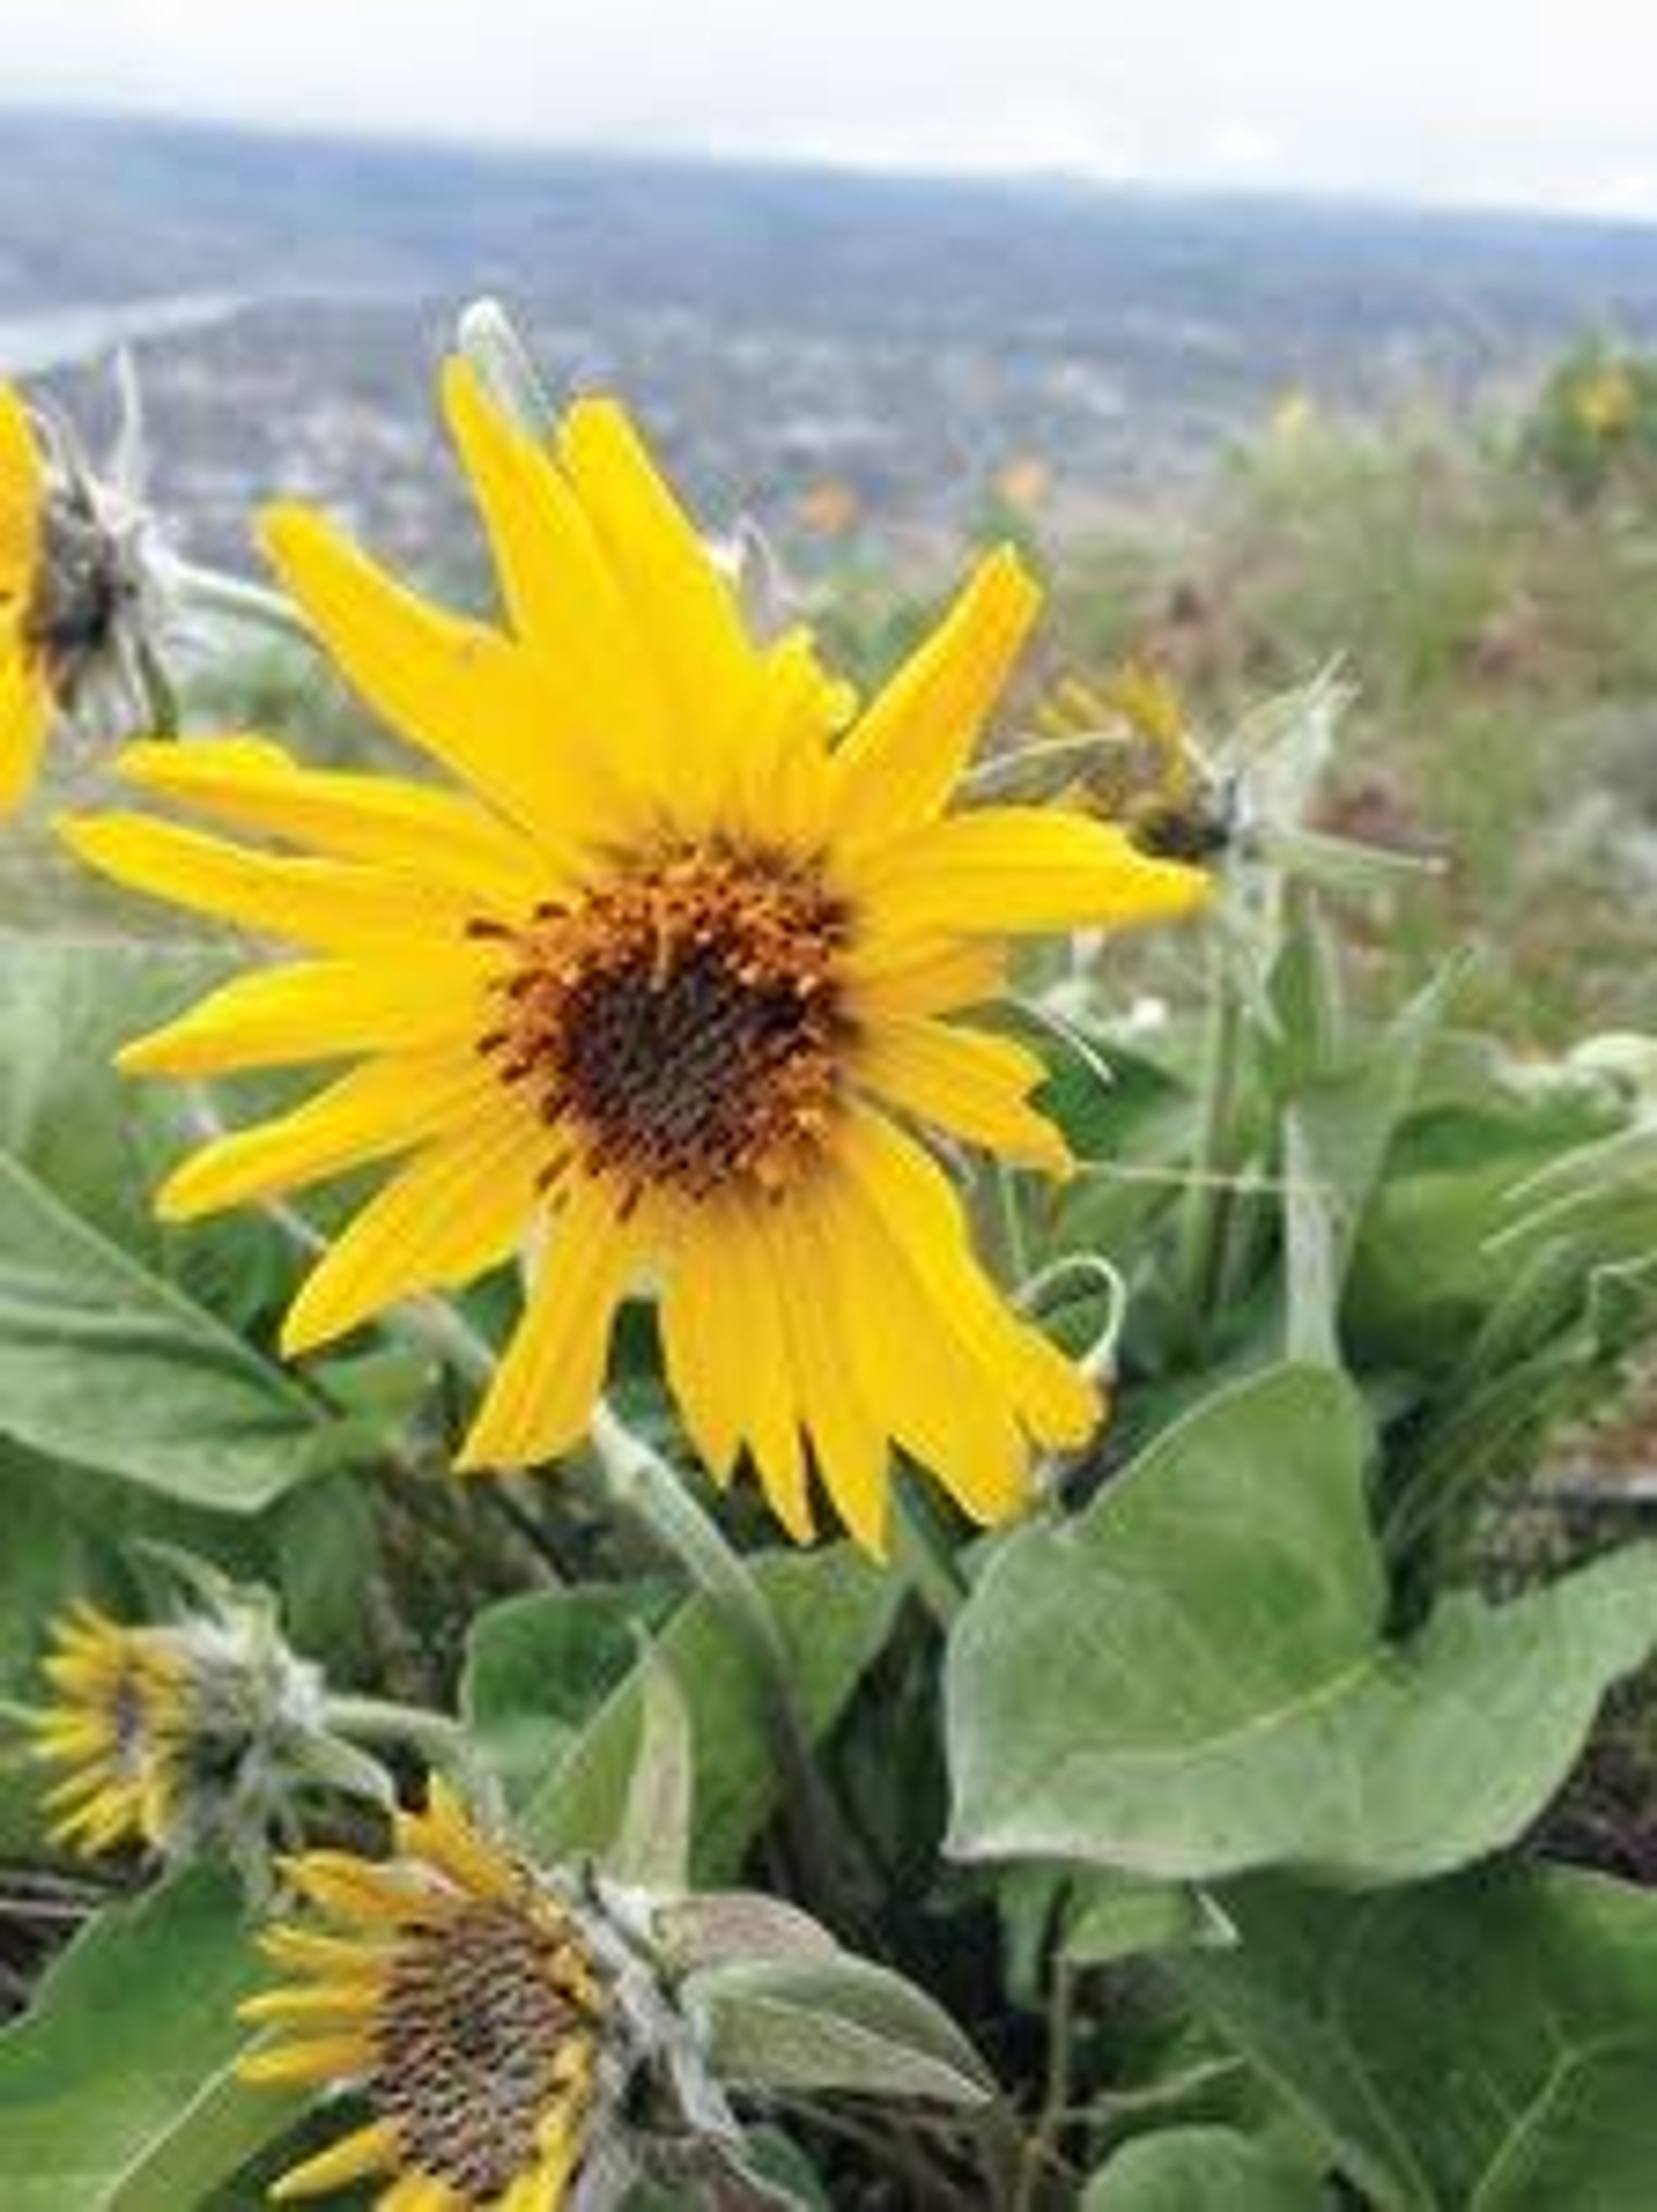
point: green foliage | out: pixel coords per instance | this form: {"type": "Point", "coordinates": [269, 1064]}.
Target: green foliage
{"type": "Point", "coordinates": [1488, 2040]}
{"type": "Point", "coordinates": [1232, 1700]}
{"type": "Point", "coordinates": [120, 2056]}
{"type": "Point", "coordinates": [1200, 2170]}
{"type": "Point", "coordinates": [1230, 1893]}
{"type": "Point", "coordinates": [1594, 422]}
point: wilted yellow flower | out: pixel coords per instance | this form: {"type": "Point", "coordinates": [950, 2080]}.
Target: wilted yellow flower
{"type": "Point", "coordinates": [668, 991]}
{"type": "Point", "coordinates": [457, 1993]}
{"type": "Point", "coordinates": [122, 1726]}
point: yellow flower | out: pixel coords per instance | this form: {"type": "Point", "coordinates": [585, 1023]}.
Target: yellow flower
{"type": "Point", "coordinates": [122, 1726]}
{"type": "Point", "coordinates": [668, 992]}
{"type": "Point", "coordinates": [457, 1993]}
{"type": "Point", "coordinates": [25, 697]}
{"type": "Point", "coordinates": [1606, 401]}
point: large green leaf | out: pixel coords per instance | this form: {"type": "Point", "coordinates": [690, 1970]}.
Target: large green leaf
{"type": "Point", "coordinates": [1489, 2041]}
{"type": "Point", "coordinates": [556, 1687]}
{"type": "Point", "coordinates": [108, 1364]}
{"type": "Point", "coordinates": [124, 2034]}
{"type": "Point", "coordinates": [1201, 2170]}
{"type": "Point", "coordinates": [120, 1344]}
{"type": "Point", "coordinates": [1227, 1698]}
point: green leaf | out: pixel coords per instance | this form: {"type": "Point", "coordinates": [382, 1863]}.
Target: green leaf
{"type": "Point", "coordinates": [121, 1342]}
{"type": "Point", "coordinates": [1201, 2170]}
{"type": "Point", "coordinates": [653, 1845]}
{"type": "Point", "coordinates": [556, 1687]}
{"type": "Point", "coordinates": [1121, 1915]}
{"type": "Point", "coordinates": [1489, 2041]}
{"type": "Point", "coordinates": [124, 2031]}
{"type": "Point", "coordinates": [1229, 1699]}
{"type": "Point", "coordinates": [107, 1364]}
{"type": "Point", "coordinates": [833, 2023]}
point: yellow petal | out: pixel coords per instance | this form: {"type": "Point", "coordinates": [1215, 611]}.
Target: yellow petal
{"type": "Point", "coordinates": [456, 1210]}
{"type": "Point", "coordinates": [708, 669]}
{"type": "Point", "coordinates": [337, 905]}
{"type": "Point", "coordinates": [755, 1361]}
{"type": "Point", "coordinates": [26, 716]}
{"type": "Point", "coordinates": [325, 1010]}
{"type": "Point", "coordinates": [912, 1198]}
{"type": "Point", "coordinates": [386, 1107]}
{"type": "Point", "coordinates": [975, 1087]}
{"type": "Point", "coordinates": [444, 1837]}
{"type": "Point", "coordinates": [253, 785]}
{"type": "Point", "coordinates": [305, 1951]}
{"type": "Point", "coordinates": [911, 1365]}
{"type": "Point", "coordinates": [892, 979]}
{"type": "Point", "coordinates": [542, 1398]}
{"type": "Point", "coordinates": [351, 2003]}
{"type": "Point", "coordinates": [372, 2149]}
{"type": "Point", "coordinates": [22, 491]}
{"type": "Point", "coordinates": [849, 1445]}
{"type": "Point", "coordinates": [561, 589]}
{"type": "Point", "coordinates": [497, 716]}
{"type": "Point", "coordinates": [1020, 868]}
{"type": "Point", "coordinates": [904, 756]}
{"type": "Point", "coordinates": [420, 2192]}
{"type": "Point", "coordinates": [708, 1350]}
{"type": "Point", "coordinates": [318, 2058]}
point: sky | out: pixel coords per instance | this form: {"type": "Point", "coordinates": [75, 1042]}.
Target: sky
{"type": "Point", "coordinates": [1525, 103]}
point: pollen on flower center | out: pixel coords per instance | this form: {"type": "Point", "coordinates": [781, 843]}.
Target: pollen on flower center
{"type": "Point", "coordinates": [681, 1026]}
{"type": "Point", "coordinates": [486, 2025]}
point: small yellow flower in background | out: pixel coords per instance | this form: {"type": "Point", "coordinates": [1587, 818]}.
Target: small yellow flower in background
{"type": "Point", "coordinates": [1293, 414]}
{"type": "Point", "coordinates": [122, 1726]}
{"type": "Point", "coordinates": [1024, 484]}
{"type": "Point", "coordinates": [829, 509]}
{"type": "Point", "coordinates": [1148, 772]}
{"type": "Point", "coordinates": [1606, 401]}
{"type": "Point", "coordinates": [666, 995]}
{"type": "Point", "coordinates": [456, 1992]}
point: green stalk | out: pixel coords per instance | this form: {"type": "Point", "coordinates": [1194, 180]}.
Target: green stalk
{"type": "Point", "coordinates": [1205, 1216]}
{"type": "Point", "coordinates": [381, 1720]}
{"type": "Point", "coordinates": [642, 1484]}
{"type": "Point", "coordinates": [240, 600]}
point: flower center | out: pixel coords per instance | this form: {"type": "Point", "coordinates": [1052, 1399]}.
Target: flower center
{"type": "Point", "coordinates": [79, 589]}
{"type": "Point", "coordinates": [481, 2021]}
{"type": "Point", "coordinates": [682, 1027]}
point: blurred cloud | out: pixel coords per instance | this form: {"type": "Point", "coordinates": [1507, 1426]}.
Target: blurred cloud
{"type": "Point", "coordinates": [1523, 102]}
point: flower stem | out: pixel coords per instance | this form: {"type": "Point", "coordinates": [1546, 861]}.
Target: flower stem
{"type": "Point", "coordinates": [381, 1720]}
{"type": "Point", "coordinates": [1208, 1201]}
{"type": "Point", "coordinates": [212, 592]}
{"type": "Point", "coordinates": [642, 1484]}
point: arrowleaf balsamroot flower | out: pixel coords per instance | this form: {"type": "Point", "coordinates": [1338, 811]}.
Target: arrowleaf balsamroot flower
{"type": "Point", "coordinates": [667, 993]}
{"type": "Point", "coordinates": [122, 1728]}
{"type": "Point", "coordinates": [458, 1993]}
{"type": "Point", "coordinates": [76, 596]}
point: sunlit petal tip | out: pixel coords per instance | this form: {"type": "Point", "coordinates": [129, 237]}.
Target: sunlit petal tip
{"type": "Point", "coordinates": [368, 2150]}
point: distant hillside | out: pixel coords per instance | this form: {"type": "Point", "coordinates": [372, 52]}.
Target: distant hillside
{"type": "Point", "coordinates": [778, 327]}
